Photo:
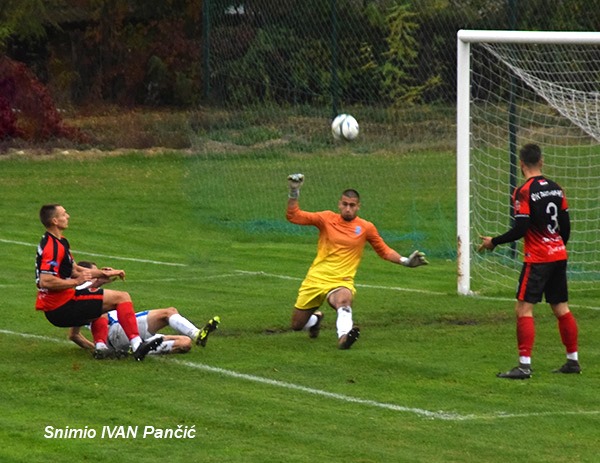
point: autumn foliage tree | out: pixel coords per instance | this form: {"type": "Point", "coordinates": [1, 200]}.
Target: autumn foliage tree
{"type": "Point", "coordinates": [26, 108]}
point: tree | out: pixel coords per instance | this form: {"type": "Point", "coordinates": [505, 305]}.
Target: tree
{"type": "Point", "coordinates": [26, 107]}
{"type": "Point", "coordinates": [22, 19]}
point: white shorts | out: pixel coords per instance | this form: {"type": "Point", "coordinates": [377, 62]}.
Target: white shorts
{"type": "Point", "coordinates": [119, 340]}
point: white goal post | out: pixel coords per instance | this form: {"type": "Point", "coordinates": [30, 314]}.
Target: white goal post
{"type": "Point", "coordinates": [562, 99]}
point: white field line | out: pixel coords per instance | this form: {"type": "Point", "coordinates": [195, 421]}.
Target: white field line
{"type": "Point", "coordinates": [440, 415]}
{"type": "Point", "coordinates": [428, 414]}
{"type": "Point", "coordinates": [398, 288]}
{"type": "Point", "coordinates": [188, 278]}
{"type": "Point", "coordinates": [281, 384]}
{"type": "Point", "coordinates": [131, 259]}
{"type": "Point", "coordinates": [508, 299]}
{"type": "Point", "coordinates": [152, 280]}
{"type": "Point", "coordinates": [389, 288]}
{"type": "Point", "coordinates": [282, 277]}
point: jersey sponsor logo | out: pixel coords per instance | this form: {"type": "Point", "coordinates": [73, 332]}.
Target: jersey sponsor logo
{"type": "Point", "coordinates": [546, 194]}
{"type": "Point", "coordinates": [556, 249]}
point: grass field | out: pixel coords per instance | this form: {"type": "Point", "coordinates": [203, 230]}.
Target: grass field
{"type": "Point", "coordinates": [208, 237]}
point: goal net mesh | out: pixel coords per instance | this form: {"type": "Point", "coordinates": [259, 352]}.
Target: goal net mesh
{"type": "Point", "coordinates": [548, 94]}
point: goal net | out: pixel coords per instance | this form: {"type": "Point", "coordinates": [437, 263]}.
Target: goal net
{"type": "Point", "coordinates": [516, 88]}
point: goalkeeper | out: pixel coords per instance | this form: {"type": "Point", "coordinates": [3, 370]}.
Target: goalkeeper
{"type": "Point", "coordinates": [342, 238]}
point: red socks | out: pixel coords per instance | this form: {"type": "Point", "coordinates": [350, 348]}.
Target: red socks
{"type": "Point", "coordinates": [567, 326]}
{"type": "Point", "coordinates": [127, 319]}
{"type": "Point", "coordinates": [568, 332]}
{"type": "Point", "coordinates": [100, 330]}
{"type": "Point", "coordinates": [525, 335]}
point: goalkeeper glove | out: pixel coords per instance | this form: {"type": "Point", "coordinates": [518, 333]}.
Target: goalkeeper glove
{"type": "Point", "coordinates": [416, 259]}
{"type": "Point", "coordinates": [295, 181]}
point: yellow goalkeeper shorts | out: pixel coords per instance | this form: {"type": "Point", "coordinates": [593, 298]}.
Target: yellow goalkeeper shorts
{"type": "Point", "coordinates": [312, 294]}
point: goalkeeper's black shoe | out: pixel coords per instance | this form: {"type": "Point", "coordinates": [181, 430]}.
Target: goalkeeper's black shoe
{"type": "Point", "coordinates": [523, 371]}
{"type": "Point", "coordinates": [572, 366]}
{"type": "Point", "coordinates": [202, 337]}
{"type": "Point", "coordinates": [146, 347]}
{"type": "Point", "coordinates": [346, 341]}
{"type": "Point", "coordinates": [313, 331]}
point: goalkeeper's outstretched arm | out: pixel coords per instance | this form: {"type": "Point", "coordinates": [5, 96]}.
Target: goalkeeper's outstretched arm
{"type": "Point", "coordinates": [416, 259]}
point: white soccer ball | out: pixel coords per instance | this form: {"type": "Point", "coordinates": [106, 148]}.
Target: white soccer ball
{"type": "Point", "coordinates": [336, 129]}
{"type": "Point", "coordinates": [344, 126]}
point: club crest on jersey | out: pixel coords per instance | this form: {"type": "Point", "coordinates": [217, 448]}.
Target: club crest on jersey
{"type": "Point", "coordinates": [358, 230]}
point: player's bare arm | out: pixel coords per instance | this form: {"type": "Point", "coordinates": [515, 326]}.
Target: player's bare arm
{"type": "Point", "coordinates": [79, 339]}
{"type": "Point", "coordinates": [54, 283]}
{"type": "Point", "coordinates": [111, 274]}
{"type": "Point", "coordinates": [105, 272]}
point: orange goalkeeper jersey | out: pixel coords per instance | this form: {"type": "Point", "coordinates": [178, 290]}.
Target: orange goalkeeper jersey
{"type": "Point", "coordinates": [341, 243]}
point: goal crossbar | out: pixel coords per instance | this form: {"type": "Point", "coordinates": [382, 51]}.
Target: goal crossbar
{"type": "Point", "coordinates": [474, 36]}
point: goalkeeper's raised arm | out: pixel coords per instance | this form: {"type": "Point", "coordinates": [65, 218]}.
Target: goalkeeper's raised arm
{"type": "Point", "coordinates": [295, 182]}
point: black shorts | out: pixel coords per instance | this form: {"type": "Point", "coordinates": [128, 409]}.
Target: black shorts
{"type": "Point", "coordinates": [85, 307]}
{"type": "Point", "coordinates": [539, 279]}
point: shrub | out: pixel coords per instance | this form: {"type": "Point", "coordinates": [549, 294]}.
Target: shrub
{"type": "Point", "coordinates": [26, 108]}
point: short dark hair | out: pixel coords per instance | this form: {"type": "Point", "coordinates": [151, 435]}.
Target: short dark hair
{"type": "Point", "coordinates": [47, 213]}
{"type": "Point", "coordinates": [530, 154]}
{"type": "Point", "coordinates": [351, 193]}
{"type": "Point", "coordinates": [86, 264]}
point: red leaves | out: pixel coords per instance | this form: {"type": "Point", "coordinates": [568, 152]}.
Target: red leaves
{"type": "Point", "coordinates": [26, 108]}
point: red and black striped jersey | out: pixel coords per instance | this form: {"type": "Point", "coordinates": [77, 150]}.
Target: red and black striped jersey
{"type": "Point", "coordinates": [54, 258]}
{"type": "Point", "coordinates": [543, 204]}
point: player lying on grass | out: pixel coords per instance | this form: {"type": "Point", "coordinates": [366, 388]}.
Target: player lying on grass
{"type": "Point", "coordinates": [342, 238]}
{"type": "Point", "coordinates": [64, 294]}
{"type": "Point", "coordinates": [149, 322]}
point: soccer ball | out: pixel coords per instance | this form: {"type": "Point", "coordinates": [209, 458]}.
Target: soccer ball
{"type": "Point", "coordinates": [344, 126]}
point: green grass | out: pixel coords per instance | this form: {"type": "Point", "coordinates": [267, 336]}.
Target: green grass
{"type": "Point", "coordinates": [419, 386]}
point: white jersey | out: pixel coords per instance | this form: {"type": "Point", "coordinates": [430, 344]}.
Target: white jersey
{"type": "Point", "coordinates": [116, 334]}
